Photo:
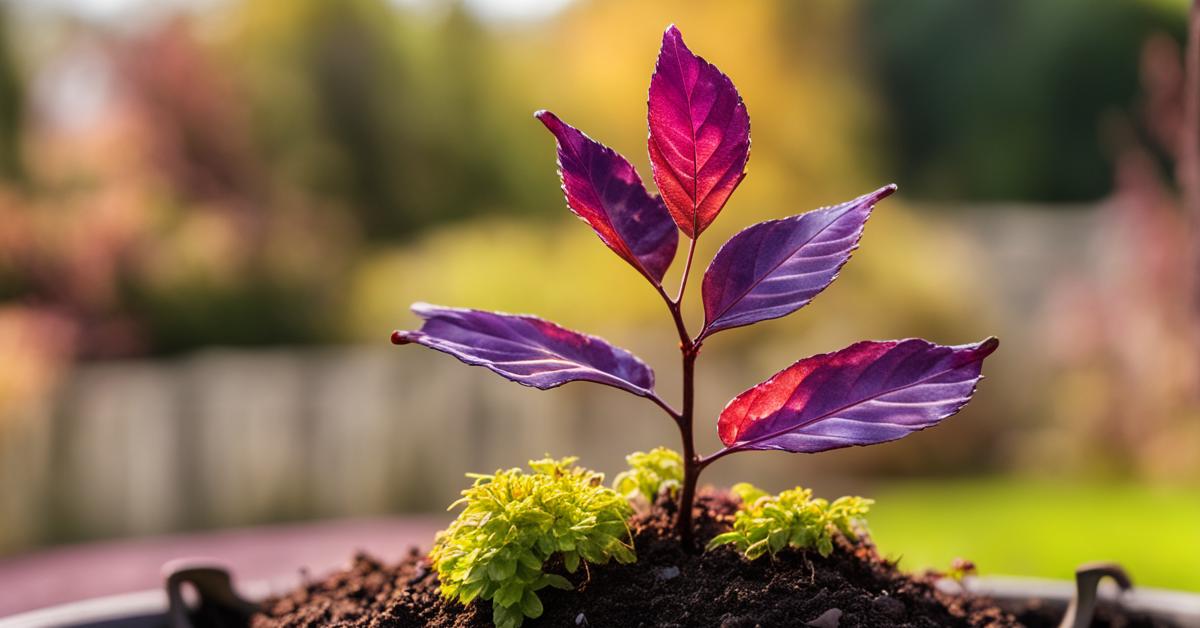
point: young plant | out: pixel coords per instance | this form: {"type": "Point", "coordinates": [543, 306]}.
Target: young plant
{"type": "Point", "coordinates": [768, 523]}
{"type": "Point", "coordinates": [649, 473]}
{"type": "Point", "coordinates": [870, 392]}
{"type": "Point", "coordinates": [513, 522]}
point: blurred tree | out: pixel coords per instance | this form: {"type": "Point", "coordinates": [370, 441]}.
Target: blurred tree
{"type": "Point", "coordinates": [381, 112]}
{"type": "Point", "coordinates": [151, 223]}
{"type": "Point", "coordinates": [197, 126]}
{"type": "Point", "coordinates": [12, 106]}
{"type": "Point", "coordinates": [241, 258]}
{"type": "Point", "coordinates": [1002, 99]}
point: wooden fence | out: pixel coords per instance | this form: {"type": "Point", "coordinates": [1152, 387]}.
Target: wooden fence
{"type": "Point", "coordinates": [228, 438]}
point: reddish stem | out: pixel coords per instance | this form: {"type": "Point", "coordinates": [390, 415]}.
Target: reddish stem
{"type": "Point", "coordinates": [692, 464]}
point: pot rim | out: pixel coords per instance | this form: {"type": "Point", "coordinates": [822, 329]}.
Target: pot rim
{"type": "Point", "coordinates": [151, 605]}
{"type": "Point", "coordinates": [1180, 606]}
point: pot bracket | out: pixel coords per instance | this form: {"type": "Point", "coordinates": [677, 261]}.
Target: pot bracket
{"type": "Point", "coordinates": [216, 604]}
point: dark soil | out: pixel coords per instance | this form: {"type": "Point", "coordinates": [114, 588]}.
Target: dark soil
{"type": "Point", "coordinates": [666, 587]}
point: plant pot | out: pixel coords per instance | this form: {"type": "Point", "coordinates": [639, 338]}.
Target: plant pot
{"type": "Point", "coordinates": [667, 585]}
{"type": "Point", "coordinates": [152, 609]}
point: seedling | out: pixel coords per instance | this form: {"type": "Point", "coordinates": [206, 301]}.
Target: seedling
{"type": "Point", "coordinates": [960, 568]}
{"type": "Point", "coordinates": [870, 392]}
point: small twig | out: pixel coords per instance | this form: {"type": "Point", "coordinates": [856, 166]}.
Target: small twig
{"type": "Point", "coordinates": [587, 576]}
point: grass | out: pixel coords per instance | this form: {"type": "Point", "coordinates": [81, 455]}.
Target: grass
{"type": "Point", "coordinates": [1033, 528]}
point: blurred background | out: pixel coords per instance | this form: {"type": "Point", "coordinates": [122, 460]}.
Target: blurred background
{"type": "Point", "coordinates": [214, 212]}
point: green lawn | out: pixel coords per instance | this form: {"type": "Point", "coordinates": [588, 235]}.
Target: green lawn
{"type": "Point", "coordinates": [1017, 527]}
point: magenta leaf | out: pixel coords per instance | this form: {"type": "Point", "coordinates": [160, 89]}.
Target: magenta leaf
{"type": "Point", "coordinates": [604, 189]}
{"type": "Point", "coordinates": [527, 349]}
{"type": "Point", "coordinates": [699, 135]}
{"type": "Point", "coordinates": [870, 392]}
{"type": "Point", "coordinates": [776, 267]}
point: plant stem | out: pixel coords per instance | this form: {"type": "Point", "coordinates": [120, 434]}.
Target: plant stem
{"type": "Point", "coordinates": [717, 455]}
{"type": "Point", "coordinates": [684, 419]}
{"type": "Point", "coordinates": [687, 270]}
{"type": "Point", "coordinates": [691, 462]}
{"type": "Point", "coordinates": [658, 401]}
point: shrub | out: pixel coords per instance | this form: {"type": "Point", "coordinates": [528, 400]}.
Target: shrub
{"type": "Point", "coordinates": [649, 473]}
{"type": "Point", "coordinates": [766, 524]}
{"type": "Point", "coordinates": [513, 522]}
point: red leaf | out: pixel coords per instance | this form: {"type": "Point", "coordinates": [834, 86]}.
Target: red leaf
{"type": "Point", "coordinates": [870, 392]}
{"type": "Point", "coordinates": [699, 135]}
{"type": "Point", "coordinates": [604, 189]}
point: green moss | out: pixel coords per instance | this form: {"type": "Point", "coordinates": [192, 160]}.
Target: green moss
{"type": "Point", "coordinates": [649, 473]}
{"type": "Point", "coordinates": [768, 523]}
{"type": "Point", "coordinates": [513, 522]}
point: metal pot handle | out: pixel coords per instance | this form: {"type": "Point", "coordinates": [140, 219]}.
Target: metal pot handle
{"type": "Point", "coordinates": [217, 597]}
{"type": "Point", "coordinates": [1087, 581]}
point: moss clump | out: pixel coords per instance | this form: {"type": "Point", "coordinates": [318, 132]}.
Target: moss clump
{"type": "Point", "coordinates": [649, 473]}
{"type": "Point", "coordinates": [513, 522]}
{"type": "Point", "coordinates": [768, 523]}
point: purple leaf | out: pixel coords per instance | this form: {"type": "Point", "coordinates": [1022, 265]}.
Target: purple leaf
{"type": "Point", "coordinates": [604, 189]}
{"type": "Point", "coordinates": [870, 392]}
{"type": "Point", "coordinates": [527, 349]}
{"type": "Point", "coordinates": [776, 267]}
{"type": "Point", "coordinates": [699, 135]}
